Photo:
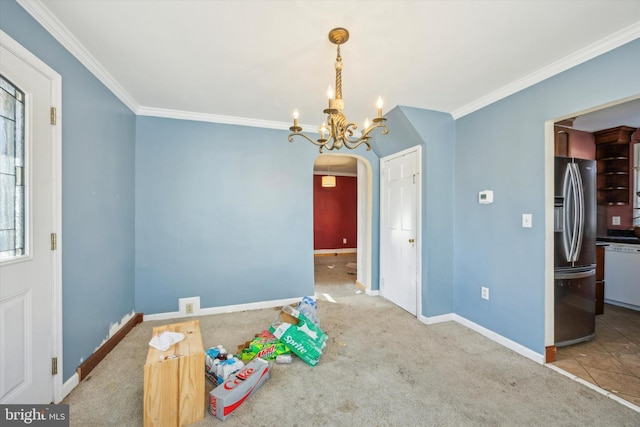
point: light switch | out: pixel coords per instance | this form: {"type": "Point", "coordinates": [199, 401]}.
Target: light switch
{"type": "Point", "coordinates": [527, 220]}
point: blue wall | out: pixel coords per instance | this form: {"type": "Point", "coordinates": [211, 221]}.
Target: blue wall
{"type": "Point", "coordinates": [225, 212]}
{"type": "Point", "coordinates": [435, 132]}
{"type": "Point", "coordinates": [98, 143]}
{"type": "Point", "coordinates": [502, 148]}
{"type": "Point", "coordinates": [222, 212]}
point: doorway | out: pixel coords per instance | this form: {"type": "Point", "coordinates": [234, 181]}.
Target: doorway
{"type": "Point", "coordinates": [355, 259]}
{"type": "Point", "coordinates": [609, 360]}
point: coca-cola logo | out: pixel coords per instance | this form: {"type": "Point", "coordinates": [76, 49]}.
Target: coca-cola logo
{"type": "Point", "coordinates": [232, 383]}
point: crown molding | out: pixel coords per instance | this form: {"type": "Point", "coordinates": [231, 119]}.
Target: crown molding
{"type": "Point", "coordinates": [40, 13]}
{"type": "Point", "coordinates": [611, 42]}
{"type": "Point", "coordinates": [212, 118]}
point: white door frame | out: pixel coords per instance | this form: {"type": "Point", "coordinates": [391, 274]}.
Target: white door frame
{"type": "Point", "coordinates": [56, 209]}
{"type": "Point", "coordinates": [418, 152]}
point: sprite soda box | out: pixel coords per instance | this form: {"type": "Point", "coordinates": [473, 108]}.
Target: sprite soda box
{"type": "Point", "coordinates": [300, 334]}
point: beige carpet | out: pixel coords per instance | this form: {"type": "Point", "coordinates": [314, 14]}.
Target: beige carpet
{"type": "Point", "coordinates": [382, 367]}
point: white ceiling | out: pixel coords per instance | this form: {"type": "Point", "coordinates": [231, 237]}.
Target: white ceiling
{"type": "Point", "coordinates": [254, 61]}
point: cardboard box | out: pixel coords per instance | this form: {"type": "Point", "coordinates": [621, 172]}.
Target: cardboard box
{"type": "Point", "coordinates": [173, 379]}
{"type": "Point", "coordinates": [228, 396]}
{"type": "Point", "coordinates": [300, 334]}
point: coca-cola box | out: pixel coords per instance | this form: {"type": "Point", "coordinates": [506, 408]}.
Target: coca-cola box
{"type": "Point", "coordinates": [228, 396]}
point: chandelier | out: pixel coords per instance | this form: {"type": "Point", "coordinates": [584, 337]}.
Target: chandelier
{"type": "Point", "coordinates": [337, 131]}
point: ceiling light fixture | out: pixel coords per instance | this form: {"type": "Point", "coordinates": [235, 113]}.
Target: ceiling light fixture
{"type": "Point", "coordinates": [328, 181]}
{"type": "Point", "coordinates": [337, 132]}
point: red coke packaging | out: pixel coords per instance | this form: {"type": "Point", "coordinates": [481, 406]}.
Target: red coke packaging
{"type": "Point", "coordinates": [228, 396]}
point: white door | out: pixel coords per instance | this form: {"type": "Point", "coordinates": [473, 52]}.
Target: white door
{"type": "Point", "coordinates": [399, 230]}
{"type": "Point", "coordinates": [28, 265]}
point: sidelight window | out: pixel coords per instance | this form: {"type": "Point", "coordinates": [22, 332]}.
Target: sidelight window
{"type": "Point", "coordinates": [12, 173]}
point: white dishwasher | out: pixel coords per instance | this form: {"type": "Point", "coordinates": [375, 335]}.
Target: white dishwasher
{"type": "Point", "coordinates": [622, 275]}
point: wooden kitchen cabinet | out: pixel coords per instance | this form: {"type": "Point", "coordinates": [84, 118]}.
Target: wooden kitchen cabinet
{"type": "Point", "coordinates": [613, 153]}
{"type": "Point", "coordinates": [599, 279]}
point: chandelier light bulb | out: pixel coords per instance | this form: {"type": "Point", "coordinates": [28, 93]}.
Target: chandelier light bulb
{"type": "Point", "coordinates": [366, 124]}
{"type": "Point", "coordinates": [379, 105]}
{"type": "Point", "coordinates": [296, 114]}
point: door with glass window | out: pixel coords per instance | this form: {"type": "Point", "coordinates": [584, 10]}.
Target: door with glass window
{"type": "Point", "coordinates": [26, 225]}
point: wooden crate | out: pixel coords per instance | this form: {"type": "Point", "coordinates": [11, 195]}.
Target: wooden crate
{"type": "Point", "coordinates": [174, 393]}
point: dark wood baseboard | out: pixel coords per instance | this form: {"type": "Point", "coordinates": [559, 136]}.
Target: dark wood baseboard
{"type": "Point", "coordinates": [550, 353]}
{"type": "Point", "coordinates": [92, 361]}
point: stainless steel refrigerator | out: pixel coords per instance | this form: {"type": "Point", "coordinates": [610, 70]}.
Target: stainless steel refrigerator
{"type": "Point", "coordinates": [575, 250]}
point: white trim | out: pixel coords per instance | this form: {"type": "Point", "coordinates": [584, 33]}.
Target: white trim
{"type": "Point", "coordinates": [321, 173]}
{"type": "Point", "coordinates": [506, 342]}
{"type": "Point", "coordinates": [549, 193]}
{"type": "Point", "coordinates": [436, 319]}
{"type": "Point", "coordinates": [594, 387]}
{"type": "Point", "coordinates": [335, 251]}
{"type": "Point", "coordinates": [223, 309]}
{"type": "Point", "coordinates": [56, 209]}
{"type": "Point", "coordinates": [607, 44]}
{"type": "Point", "coordinates": [41, 13]}
{"type": "Point", "coordinates": [69, 385]}
{"type": "Point", "coordinates": [212, 118]}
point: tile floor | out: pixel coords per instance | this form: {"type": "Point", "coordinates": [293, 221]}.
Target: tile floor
{"type": "Point", "coordinates": [612, 359]}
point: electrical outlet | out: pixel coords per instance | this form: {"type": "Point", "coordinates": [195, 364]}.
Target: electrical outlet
{"type": "Point", "coordinates": [527, 220]}
{"type": "Point", "coordinates": [615, 220]}
{"type": "Point", "coordinates": [485, 293]}
{"type": "Point", "coordinates": [188, 306]}
{"type": "Point", "coordinates": [344, 241]}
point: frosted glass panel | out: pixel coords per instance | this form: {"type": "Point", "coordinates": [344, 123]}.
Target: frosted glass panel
{"type": "Point", "coordinates": [12, 190]}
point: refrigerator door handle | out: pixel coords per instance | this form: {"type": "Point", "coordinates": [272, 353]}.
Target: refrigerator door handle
{"type": "Point", "coordinates": [580, 211]}
{"type": "Point", "coordinates": [569, 276]}
{"type": "Point", "coordinates": [566, 232]}
{"type": "Point", "coordinates": [574, 212]}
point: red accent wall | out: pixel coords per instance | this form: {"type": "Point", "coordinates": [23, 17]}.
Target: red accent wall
{"type": "Point", "coordinates": [335, 213]}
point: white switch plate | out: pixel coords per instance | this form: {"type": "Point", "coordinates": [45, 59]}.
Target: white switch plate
{"type": "Point", "coordinates": [485, 293]}
{"type": "Point", "coordinates": [527, 220]}
{"type": "Point", "coordinates": [615, 220]}
{"type": "Point", "coordinates": [189, 306]}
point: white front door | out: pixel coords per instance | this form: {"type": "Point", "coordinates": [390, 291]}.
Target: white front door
{"type": "Point", "coordinates": [399, 230]}
{"type": "Point", "coordinates": [28, 266]}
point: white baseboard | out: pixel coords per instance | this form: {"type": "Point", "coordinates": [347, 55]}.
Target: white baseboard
{"type": "Point", "coordinates": [223, 309]}
{"type": "Point", "coordinates": [335, 251]}
{"type": "Point", "coordinates": [505, 342]}
{"type": "Point", "coordinates": [436, 319]}
{"type": "Point", "coordinates": [69, 385]}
